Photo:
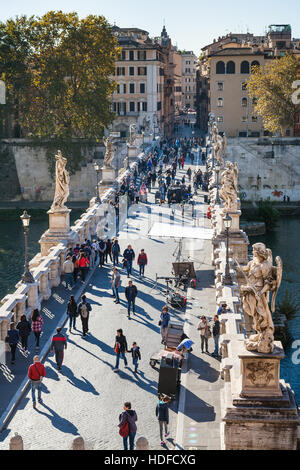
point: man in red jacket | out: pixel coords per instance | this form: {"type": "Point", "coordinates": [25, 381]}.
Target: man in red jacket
{"type": "Point", "coordinates": [142, 262]}
{"type": "Point", "coordinates": [36, 372]}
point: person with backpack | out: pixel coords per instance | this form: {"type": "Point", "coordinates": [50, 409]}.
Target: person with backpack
{"type": "Point", "coordinates": [37, 322]}
{"type": "Point", "coordinates": [127, 426]}
{"type": "Point", "coordinates": [136, 356]}
{"type": "Point", "coordinates": [162, 414]}
{"type": "Point", "coordinates": [36, 373]}
{"type": "Point", "coordinates": [24, 329]}
{"type": "Point", "coordinates": [12, 340]}
{"type": "Point", "coordinates": [120, 349]}
{"type": "Point", "coordinates": [84, 309]}
{"type": "Point", "coordinates": [59, 343]}
{"type": "Point", "coordinates": [72, 312]}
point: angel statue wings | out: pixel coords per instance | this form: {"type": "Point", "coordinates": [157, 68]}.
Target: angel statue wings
{"type": "Point", "coordinates": [62, 183]}
{"type": "Point", "coordinates": [262, 279]}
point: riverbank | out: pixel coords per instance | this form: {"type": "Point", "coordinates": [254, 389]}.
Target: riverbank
{"type": "Point", "coordinates": [249, 209]}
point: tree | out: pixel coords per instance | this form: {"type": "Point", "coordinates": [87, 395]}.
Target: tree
{"type": "Point", "coordinates": [272, 87]}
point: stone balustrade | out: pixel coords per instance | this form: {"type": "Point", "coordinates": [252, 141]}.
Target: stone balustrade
{"type": "Point", "coordinates": [47, 270]}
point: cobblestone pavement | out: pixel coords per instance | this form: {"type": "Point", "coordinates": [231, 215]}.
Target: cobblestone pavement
{"type": "Point", "coordinates": [87, 398]}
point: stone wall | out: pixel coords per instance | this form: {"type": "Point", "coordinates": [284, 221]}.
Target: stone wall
{"type": "Point", "coordinates": [10, 187]}
{"type": "Point", "coordinates": [265, 177]}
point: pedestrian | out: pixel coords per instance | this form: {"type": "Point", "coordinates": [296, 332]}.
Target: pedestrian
{"type": "Point", "coordinates": [136, 356]}
{"type": "Point", "coordinates": [59, 343]}
{"type": "Point", "coordinates": [164, 323]}
{"type": "Point", "coordinates": [127, 426]}
{"type": "Point", "coordinates": [84, 310]}
{"type": "Point", "coordinates": [68, 269]}
{"type": "Point", "coordinates": [115, 284]}
{"type": "Point", "coordinates": [37, 322]}
{"type": "Point", "coordinates": [142, 262]}
{"type": "Point", "coordinates": [205, 333]}
{"type": "Point", "coordinates": [12, 340]}
{"type": "Point", "coordinates": [102, 250]}
{"type": "Point", "coordinates": [83, 263]}
{"type": "Point", "coordinates": [116, 252]}
{"type": "Point", "coordinates": [36, 373]}
{"type": "Point", "coordinates": [120, 349]}
{"type": "Point", "coordinates": [24, 329]}
{"type": "Point", "coordinates": [129, 256]}
{"type": "Point", "coordinates": [216, 335]}
{"type": "Point", "coordinates": [131, 294]}
{"type": "Point", "coordinates": [72, 312]}
{"type": "Point", "coordinates": [108, 251]}
{"type": "Point", "coordinates": [162, 413]}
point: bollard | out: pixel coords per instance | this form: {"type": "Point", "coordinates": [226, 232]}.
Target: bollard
{"type": "Point", "coordinates": [142, 444]}
{"type": "Point", "coordinates": [78, 443]}
{"type": "Point", "coordinates": [16, 443]}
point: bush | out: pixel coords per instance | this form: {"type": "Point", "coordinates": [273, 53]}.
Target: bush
{"type": "Point", "coordinates": [268, 214]}
{"type": "Point", "coordinates": [288, 306]}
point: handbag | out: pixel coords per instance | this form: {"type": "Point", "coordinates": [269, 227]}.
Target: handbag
{"type": "Point", "coordinates": [117, 348]}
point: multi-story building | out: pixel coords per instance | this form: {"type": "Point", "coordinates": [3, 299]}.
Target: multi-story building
{"type": "Point", "coordinates": [223, 71]}
{"type": "Point", "coordinates": [189, 62]}
{"type": "Point", "coordinates": [145, 82]}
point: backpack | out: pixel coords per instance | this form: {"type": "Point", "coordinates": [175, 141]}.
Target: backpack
{"type": "Point", "coordinates": [124, 430]}
{"type": "Point", "coordinates": [84, 311]}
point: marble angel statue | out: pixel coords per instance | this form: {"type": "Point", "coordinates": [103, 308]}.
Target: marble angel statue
{"type": "Point", "coordinates": [262, 279]}
{"type": "Point", "coordinates": [132, 135]}
{"type": "Point", "coordinates": [62, 185]}
{"type": "Point", "coordinates": [109, 154]}
{"type": "Point", "coordinates": [229, 189]}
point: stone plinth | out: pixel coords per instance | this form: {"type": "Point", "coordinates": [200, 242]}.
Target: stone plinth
{"type": "Point", "coordinates": [132, 152]}
{"type": "Point", "coordinates": [109, 176]}
{"type": "Point", "coordinates": [59, 231]}
{"type": "Point", "coordinates": [261, 373]}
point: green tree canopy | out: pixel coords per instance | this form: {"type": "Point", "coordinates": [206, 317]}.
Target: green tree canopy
{"type": "Point", "coordinates": [272, 87]}
{"type": "Point", "coordinates": [58, 72]}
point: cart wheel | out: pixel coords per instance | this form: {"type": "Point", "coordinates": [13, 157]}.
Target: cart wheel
{"type": "Point", "coordinates": [153, 363]}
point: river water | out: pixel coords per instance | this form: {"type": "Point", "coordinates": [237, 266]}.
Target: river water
{"type": "Point", "coordinates": [284, 241]}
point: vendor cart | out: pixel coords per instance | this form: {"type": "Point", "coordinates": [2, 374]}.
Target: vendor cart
{"type": "Point", "coordinates": [173, 339]}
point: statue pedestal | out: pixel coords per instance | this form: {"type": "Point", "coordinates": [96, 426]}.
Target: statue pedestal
{"type": "Point", "coordinates": [261, 373]}
{"type": "Point", "coordinates": [132, 152]}
{"type": "Point", "coordinates": [109, 176]}
{"type": "Point", "coordinates": [59, 231]}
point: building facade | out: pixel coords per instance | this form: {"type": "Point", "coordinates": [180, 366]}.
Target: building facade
{"type": "Point", "coordinates": [144, 78]}
{"type": "Point", "coordinates": [222, 77]}
{"type": "Point", "coordinates": [189, 62]}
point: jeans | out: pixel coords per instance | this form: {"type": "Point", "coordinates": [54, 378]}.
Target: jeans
{"type": "Point", "coordinates": [131, 437]}
{"type": "Point", "coordinates": [102, 256]}
{"type": "Point", "coordinates": [85, 325]}
{"type": "Point", "coordinates": [142, 269]}
{"type": "Point", "coordinates": [115, 259]}
{"type": "Point", "coordinates": [24, 341]}
{"type": "Point", "coordinates": [59, 357]}
{"type": "Point", "coordinates": [216, 340]}
{"type": "Point", "coordinates": [162, 425]}
{"type": "Point", "coordinates": [122, 356]}
{"type": "Point", "coordinates": [37, 335]}
{"type": "Point", "coordinates": [135, 362]}
{"type": "Point", "coordinates": [36, 386]}
{"type": "Point", "coordinates": [129, 267]}
{"type": "Point", "coordinates": [131, 302]}
{"type": "Point", "coordinates": [72, 322]}
{"type": "Point", "coordinates": [13, 348]}
{"type": "Point", "coordinates": [204, 341]}
{"type": "Point", "coordinates": [69, 280]}
{"type": "Point", "coordinates": [116, 293]}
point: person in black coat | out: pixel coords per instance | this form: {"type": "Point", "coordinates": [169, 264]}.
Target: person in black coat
{"type": "Point", "coordinates": [24, 328]}
{"type": "Point", "coordinates": [131, 294]}
{"type": "Point", "coordinates": [162, 413]}
{"type": "Point", "coordinates": [72, 312]}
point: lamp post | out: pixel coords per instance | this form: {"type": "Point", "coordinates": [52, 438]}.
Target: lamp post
{"type": "Point", "coordinates": [218, 200]}
{"type": "Point", "coordinates": [227, 281]}
{"type": "Point", "coordinates": [143, 134]}
{"type": "Point", "coordinates": [97, 169]}
{"type": "Point", "coordinates": [27, 276]}
{"type": "Point", "coordinates": [127, 158]}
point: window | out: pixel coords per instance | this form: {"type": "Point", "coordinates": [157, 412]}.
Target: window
{"type": "Point", "coordinates": [245, 67]}
{"type": "Point", "coordinates": [142, 70]}
{"type": "Point", "coordinates": [132, 106]}
{"type": "Point", "coordinates": [131, 55]}
{"type": "Point", "coordinates": [123, 55]}
{"type": "Point", "coordinates": [254, 101]}
{"type": "Point", "coordinates": [114, 107]}
{"type": "Point", "coordinates": [131, 88]}
{"type": "Point", "coordinates": [230, 67]}
{"type": "Point", "coordinates": [188, 70]}
{"type": "Point", "coordinates": [254, 118]}
{"type": "Point", "coordinates": [220, 119]}
{"type": "Point", "coordinates": [142, 88]}
{"type": "Point", "coordinates": [220, 103]}
{"type": "Point", "coordinates": [244, 118]}
{"type": "Point", "coordinates": [244, 86]}
{"type": "Point", "coordinates": [255, 63]}
{"type": "Point", "coordinates": [159, 106]}
{"type": "Point", "coordinates": [142, 55]}
{"type": "Point", "coordinates": [161, 72]}
{"type": "Point", "coordinates": [220, 68]}
{"type": "Point", "coordinates": [118, 88]}
{"type": "Point", "coordinates": [122, 109]}
{"type": "Point", "coordinates": [131, 71]}
{"type": "Point", "coordinates": [145, 107]}
{"type": "Point", "coordinates": [244, 102]}
{"type": "Point", "coordinates": [120, 71]}
{"type": "Point", "coordinates": [220, 86]}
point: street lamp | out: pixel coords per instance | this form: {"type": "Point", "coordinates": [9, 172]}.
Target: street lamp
{"type": "Point", "coordinates": [143, 134]}
{"type": "Point", "coordinates": [27, 276]}
{"type": "Point", "coordinates": [97, 169]}
{"type": "Point", "coordinates": [127, 158]}
{"type": "Point", "coordinates": [227, 280]}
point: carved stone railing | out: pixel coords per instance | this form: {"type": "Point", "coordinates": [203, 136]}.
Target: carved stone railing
{"type": "Point", "coordinates": [47, 271]}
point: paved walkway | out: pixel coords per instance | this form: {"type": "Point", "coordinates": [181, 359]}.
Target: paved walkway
{"type": "Point", "coordinates": [86, 399]}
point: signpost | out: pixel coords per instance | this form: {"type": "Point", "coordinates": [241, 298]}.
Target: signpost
{"type": "Point", "coordinates": [2, 92]}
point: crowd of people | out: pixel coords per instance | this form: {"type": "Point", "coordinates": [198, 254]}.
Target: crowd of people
{"type": "Point", "coordinates": [158, 169]}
